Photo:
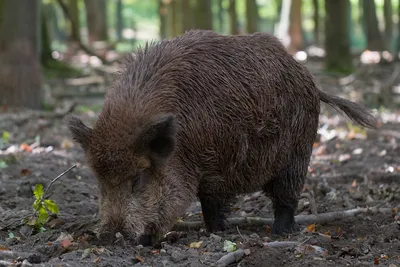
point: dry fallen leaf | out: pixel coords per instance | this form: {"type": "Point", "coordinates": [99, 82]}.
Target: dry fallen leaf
{"type": "Point", "coordinates": [155, 251]}
{"type": "Point", "coordinates": [25, 147]}
{"type": "Point", "coordinates": [25, 172]}
{"type": "Point", "coordinates": [139, 258]}
{"type": "Point", "coordinates": [383, 256]}
{"type": "Point", "coordinates": [66, 243]}
{"type": "Point", "coordinates": [195, 244]}
{"type": "Point", "coordinates": [96, 260]}
{"type": "Point", "coordinates": [310, 228]}
{"type": "Point", "coordinates": [376, 261]}
{"type": "Point", "coordinates": [3, 248]}
{"type": "Point", "coordinates": [354, 183]}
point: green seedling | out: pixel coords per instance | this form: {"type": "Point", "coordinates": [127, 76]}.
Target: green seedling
{"type": "Point", "coordinates": [4, 139]}
{"type": "Point", "coordinates": [42, 206]}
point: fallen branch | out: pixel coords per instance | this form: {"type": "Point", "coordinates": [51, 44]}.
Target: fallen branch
{"type": "Point", "coordinates": [281, 244]}
{"type": "Point", "coordinates": [230, 258]}
{"type": "Point", "coordinates": [300, 219]}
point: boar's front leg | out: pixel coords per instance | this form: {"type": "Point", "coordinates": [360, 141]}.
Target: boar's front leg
{"type": "Point", "coordinates": [214, 208]}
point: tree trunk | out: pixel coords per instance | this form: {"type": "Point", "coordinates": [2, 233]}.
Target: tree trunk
{"type": "Point", "coordinates": [75, 25]}
{"type": "Point", "coordinates": [1, 11]}
{"type": "Point", "coordinates": [204, 15]}
{"type": "Point", "coordinates": [96, 20]}
{"type": "Point", "coordinates": [251, 16]}
{"type": "Point", "coordinates": [374, 37]}
{"type": "Point", "coordinates": [316, 22]}
{"type": "Point", "coordinates": [233, 20]}
{"type": "Point", "coordinates": [20, 75]}
{"type": "Point", "coordinates": [187, 15]}
{"type": "Point", "coordinates": [174, 18]}
{"type": "Point", "coordinates": [295, 31]}
{"type": "Point", "coordinates": [120, 22]}
{"type": "Point", "coordinates": [388, 14]}
{"type": "Point", "coordinates": [220, 16]}
{"type": "Point", "coordinates": [337, 38]}
{"type": "Point", "coordinates": [45, 55]}
{"type": "Point", "coordinates": [162, 13]}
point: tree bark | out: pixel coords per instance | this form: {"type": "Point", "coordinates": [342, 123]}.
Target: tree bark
{"type": "Point", "coordinates": [162, 13]}
{"type": "Point", "coordinates": [233, 20]}
{"type": "Point", "coordinates": [20, 75]}
{"type": "Point", "coordinates": [45, 55]}
{"type": "Point", "coordinates": [251, 16]}
{"type": "Point", "coordinates": [96, 20]}
{"type": "Point", "coordinates": [337, 38]}
{"type": "Point", "coordinates": [174, 18]}
{"type": "Point", "coordinates": [220, 16]}
{"type": "Point", "coordinates": [75, 25]}
{"type": "Point", "coordinates": [317, 29]}
{"type": "Point", "coordinates": [204, 15]}
{"type": "Point", "coordinates": [374, 37]}
{"type": "Point", "coordinates": [187, 15]}
{"type": "Point", "coordinates": [388, 14]}
{"type": "Point", "coordinates": [295, 30]}
{"type": "Point", "coordinates": [120, 22]}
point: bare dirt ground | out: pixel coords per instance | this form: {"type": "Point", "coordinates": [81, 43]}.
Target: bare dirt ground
{"type": "Point", "coordinates": [351, 168]}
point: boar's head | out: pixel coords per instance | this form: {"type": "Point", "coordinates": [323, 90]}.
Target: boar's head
{"type": "Point", "coordinates": [140, 193]}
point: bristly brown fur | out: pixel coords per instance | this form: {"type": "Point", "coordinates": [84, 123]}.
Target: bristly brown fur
{"type": "Point", "coordinates": [204, 115]}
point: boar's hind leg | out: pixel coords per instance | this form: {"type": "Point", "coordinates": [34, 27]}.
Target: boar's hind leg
{"type": "Point", "coordinates": [284, 191]}
{"type": "Point", "coordinates": [214, 208]}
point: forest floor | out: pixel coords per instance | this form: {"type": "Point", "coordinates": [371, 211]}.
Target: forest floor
{"type": "Point", "coordinates": [351, 169]}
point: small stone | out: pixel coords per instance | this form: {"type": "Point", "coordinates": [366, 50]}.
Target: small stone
{"type": "Point", "coordinates": [266, 239]}
{"type": "Point", "coordinates": [254, 235]}
{"type": "Point", "coordinates": [215, 238]}
{"type": "Point", "coordinates": [247, 252]}
{"type": "Point", "coordinates": [178, 256]}
{"type": "Point", "coordinates": [163, 251]}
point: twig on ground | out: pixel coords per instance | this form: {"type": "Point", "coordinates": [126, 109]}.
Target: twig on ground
{"type": "Point", "coordinates": [301, 219]}
{"type": "Point", "coordinates": [281, 244]}
{"type": "Point", "coordinates": [230, 258]}
{"type": "Point", "coordinates": [11, 255]}
{"type": "Point", "coordinates": [311, 199]}
{"type": "Point", "coordinates": [58, 177]}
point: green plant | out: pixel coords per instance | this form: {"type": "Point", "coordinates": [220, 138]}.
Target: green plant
{"type": "Point", "coordinates": [43, 206]}
{"type": "Point", "coordinates": [4, 139]}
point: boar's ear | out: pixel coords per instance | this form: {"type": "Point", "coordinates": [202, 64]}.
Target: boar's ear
{"type": "Point", "coordinates": [158, 139]}
{"type": "Point", "coordinates": [80, 132]}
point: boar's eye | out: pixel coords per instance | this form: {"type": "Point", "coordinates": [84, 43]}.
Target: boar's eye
{"type": "Point", "coordinates": [139, 181]}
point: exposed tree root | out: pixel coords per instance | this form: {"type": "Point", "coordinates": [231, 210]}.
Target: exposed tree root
{"type": "Point", "coordinates": [230, 258]}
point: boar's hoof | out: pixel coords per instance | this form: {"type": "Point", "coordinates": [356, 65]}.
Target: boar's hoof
{"type": "Point", "coordinates": [106, 238]}
{"type": "Point", "coordinates": [145, 240]}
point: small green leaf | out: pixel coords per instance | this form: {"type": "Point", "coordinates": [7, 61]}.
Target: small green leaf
{"type": "Point", "coordinates": [42, 216]}
{"type": "Point", "coordinates": [3, 164]}
{"type": "Point", "coordinates": [42, 229]}
{"type": "Point", "coordinates": [5, 137]}
{"type": "Point", "coordinates": [38, 191]}
{"type": "Point", "coordinates": [51, 206]}
{"type": "Point", "coordinates": [229, 246]}
{"type": "Point", "coordinates": [11, 235]}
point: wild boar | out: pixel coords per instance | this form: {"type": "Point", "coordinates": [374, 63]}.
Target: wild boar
{"type": "Point", "coordinates": [209, 116]}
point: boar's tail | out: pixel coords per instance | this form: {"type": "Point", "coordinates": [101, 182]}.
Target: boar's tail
{"type": "Point", "coordinates": [355, 112]}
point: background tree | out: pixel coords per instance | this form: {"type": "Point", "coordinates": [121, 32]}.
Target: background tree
{"type": "Point", "coordinates": [162, 14]}
{"type": "Point", "coordinates": [295, 29]}
{"type": "Point", "coordinates": [316, 19]}
{"type": "Point", "coordinates": [233, 20]}
{"type": "Point", "coordinates": [204, 15]}
{"type": "Point", "coordinates": [20, 74]}
{"type": "Point", "coordinates": [374, 37]}
{"type": "Point", "coordinates": [251, 16]}
{"type": "Point", "coordinates": [187, 15]}
{"type": "Point", "coordinates": [96, 16]}
{"type": "Point", "coordinates": [337, 39]}
{"type": "Point", "coordinates": [388, 16]}
{"type": "Point", "coordinates": [119, 24]}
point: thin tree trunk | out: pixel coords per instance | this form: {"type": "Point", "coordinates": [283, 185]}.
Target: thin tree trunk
{"type": "Point", "coordinates": [295, 30]}
{"type": "Point", "coordinates": [316, 22]}
{"type": "Point", "coordinates": [162, 13]}
{"type": "Point", "coordinates": [120, 22]}
{"type": "Point", "coordinates": [45, 55]}
{"type": "Point", "coordinates": [20, 75]}
{"type": "Point", "coordinates": [75, 25]}
{"type": "Point", "coordinates": [204, 15]}
{"type": "Point", "coordinates": [96, 20]}
{"type": "Point", "coordinates": [337, 38]}
{"type": "Point", "coordinates": [187, 15]}
{"type": "Point", "coordinates": [233, 20]}
{"type": "Point", "coordinates": [220, 16]}
{"type": "Point", "coordinates": [388, 14]}
{"type": "Point", "coordinates": [374, 37]}
{"type": "Point", "coordinates": [251, 16]}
